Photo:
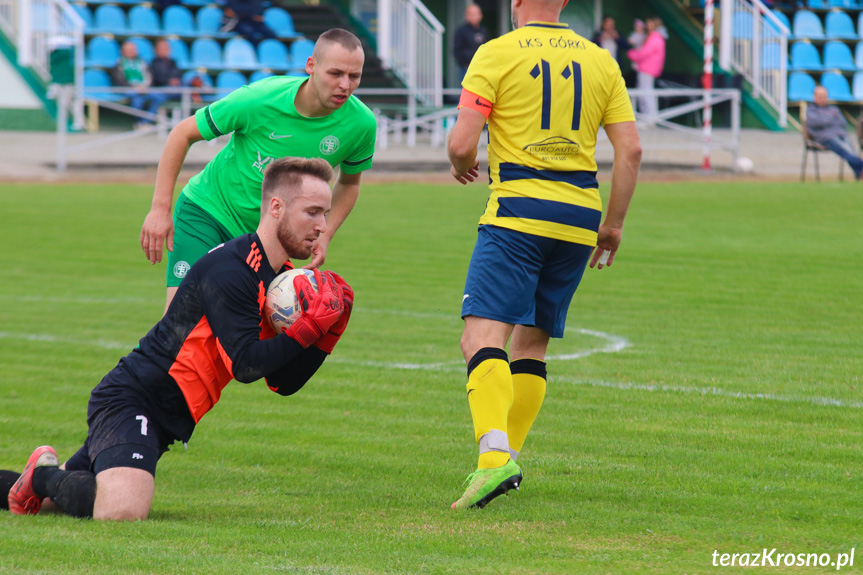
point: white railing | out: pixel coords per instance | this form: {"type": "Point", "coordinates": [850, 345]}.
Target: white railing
{"type": "Point", "coordinates": [410, 43]}
{"type": "Point", "coordinates": [754, 43]}
{"type": "Point", "coordinates": [35, 27]}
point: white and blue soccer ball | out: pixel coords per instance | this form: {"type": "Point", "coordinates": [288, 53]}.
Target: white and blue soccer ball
{"type": "Point", "coordinates": [283, 305]}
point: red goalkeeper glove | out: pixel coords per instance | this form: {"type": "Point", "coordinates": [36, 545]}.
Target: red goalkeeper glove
{"type": "Point", "coordinates": [320, 310]}
{"type": "Point", "coordinates": [328, 340]}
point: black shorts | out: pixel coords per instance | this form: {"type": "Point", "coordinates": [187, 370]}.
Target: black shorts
{"type": "Point", "coordinates": [123, 429]}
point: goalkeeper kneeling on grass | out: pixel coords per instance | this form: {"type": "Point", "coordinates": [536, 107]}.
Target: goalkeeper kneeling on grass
{"type": "Point", "coordinates": [215, 330]}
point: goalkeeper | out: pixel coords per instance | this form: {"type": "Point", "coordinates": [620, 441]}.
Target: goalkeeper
{"type": "Point", "coordinates": [213, 332]}
{"type": "Point", "coordinates": [314, 117]}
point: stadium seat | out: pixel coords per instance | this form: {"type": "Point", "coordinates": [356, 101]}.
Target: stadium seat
{"type": "Point", "coordinates": [102, 52]}
{"type": "Point", "coordinates": [179, 20]}
{"type": "Point", "coordinates": [804, 56]}
{"type": "Point", "coordinates": [179, 52]}
{"type": "Point", "coordinates": [800, 87]}
{"type": "Point", "coordinates": [279, 21]}
{"type": "Point", "coordinates": [228, 81]}
{"type": "Point", "coordinates": [109, 18]}
{"type": "Point", "coordinates": [145, 48]}
{"type": "Point", "coordinates": [806, 24]}
{"type": "Point", "coordinates": [301, 50]}
{"type": "Point", "coordinates": [195, 2]}
{"type": "Point", "coordinates": [209, 20]}
{"type": "Point", "coordinates": [838, 25]}
{"type": "Point", "coordinates": [205, 79]}
{"type": "Point", "coordinates": [857, 86]}
{"type": "Point", "coordinates": [84, 12]}
{"type": "Point", "coordinates": [817, 4]}
{"type": "Point", "coordinates": [837, 86]}
{"type": "Point", "coordinates": [259, 75]}
{"type": "Point", "coordinates": [842, 4]}
{"type": "Point", "coordinates": [837, 56]}
{"type": "Point", "coordinates": [273, 54]}
{"type": "Point", "coordinates": [144, 20]}
{"type": "Point", "coordinates": [239, 54]}
{"type": "Point", "coordinates": [206, 53]}
{"type": "Point", "coordinates": [94, 78]}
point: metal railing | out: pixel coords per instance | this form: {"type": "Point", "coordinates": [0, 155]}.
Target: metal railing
{"type": "Point", "coordinates": [35, 28]}
{"type": "Point", "coordinates": [410, 43]}
{"type": "Point", "coordinates": [754, 43]}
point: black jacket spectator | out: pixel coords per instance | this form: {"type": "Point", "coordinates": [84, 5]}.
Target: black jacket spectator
{"type": "Point", "coordinates": [163, 70]}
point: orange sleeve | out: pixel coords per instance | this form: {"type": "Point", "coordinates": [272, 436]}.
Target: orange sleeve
{"type": "Point", "coordinates": [470, 100]}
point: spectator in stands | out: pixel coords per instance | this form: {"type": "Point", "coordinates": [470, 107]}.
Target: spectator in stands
{"type": "Point", "coordinates": [827, 126]}
{"type": "Point", "coordinates": [246, 18]}
{"type": "Point", "coordinates": [164, 72]}
{"type": "Point", "coordinates": [638, 36]}
{"type": "Point", "coordinates": [469, 37]}
{"type": "Point", "coordinates": [609, 38]}
{"type": "Point", "coordinates": [131, 71]}
{"type": "Point", "coordinates": [649, 61]}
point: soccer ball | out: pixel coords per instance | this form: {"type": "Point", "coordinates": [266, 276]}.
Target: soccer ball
{"type": "Point", "coordinates": [744, 166]}
{"type": "Point", "coordinates": [283, 305]}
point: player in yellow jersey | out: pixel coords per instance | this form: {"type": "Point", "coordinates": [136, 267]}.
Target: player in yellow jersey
{"type": "Point", "coordinates": [545, 91]}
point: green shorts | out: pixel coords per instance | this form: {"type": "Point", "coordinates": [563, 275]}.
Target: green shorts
{"type": "Point", "coordinates": [195, 233]}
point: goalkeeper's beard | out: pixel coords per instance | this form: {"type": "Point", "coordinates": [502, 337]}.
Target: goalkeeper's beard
{"type": "Point", "coordinates": [294, 246]}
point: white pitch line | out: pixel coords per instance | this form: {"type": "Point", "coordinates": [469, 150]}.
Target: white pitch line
{"type": "Point", "coordinates": [48, 338]}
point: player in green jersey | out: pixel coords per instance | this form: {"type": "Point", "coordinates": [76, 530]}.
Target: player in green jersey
{"type": "Point", "coordinates": [272, 118]}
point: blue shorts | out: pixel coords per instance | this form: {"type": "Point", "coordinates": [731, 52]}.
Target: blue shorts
{"type": "Point", "coordinates": [523, 279]}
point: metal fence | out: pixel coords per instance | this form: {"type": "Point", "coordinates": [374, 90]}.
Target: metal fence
{"type": "Point", "coordinates": [754, 43]}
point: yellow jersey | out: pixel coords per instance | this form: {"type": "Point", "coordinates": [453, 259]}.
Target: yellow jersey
{"type": "Point", "coordinates": [550, 90]}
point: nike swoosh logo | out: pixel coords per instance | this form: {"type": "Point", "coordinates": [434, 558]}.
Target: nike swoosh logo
{"type": "Point", "coordinates": [478, 103]}
{"type": "Point", "coordinates": [465, 297]}
{"type": "Point", "coordinates": [273, 136]}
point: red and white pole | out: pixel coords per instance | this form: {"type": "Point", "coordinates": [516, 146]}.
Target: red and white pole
{"type": "Point", "coordinates": [707, 81]}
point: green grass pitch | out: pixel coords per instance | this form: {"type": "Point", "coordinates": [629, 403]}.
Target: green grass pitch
{"type": "Point", "coordinates": [707, 396]}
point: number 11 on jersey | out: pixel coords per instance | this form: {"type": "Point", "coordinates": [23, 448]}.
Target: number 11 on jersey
{"type": "Point", "coordinates": [569, 74]}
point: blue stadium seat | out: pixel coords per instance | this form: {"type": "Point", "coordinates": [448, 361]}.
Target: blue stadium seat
{"type": "Point", "coordinates": [228, 81]}
{"type": "Point", "coordinates": [817, 4]}
{"type": "Point", "coordinates": [206, 53]}
{"type": "Point", "coordinates": [109, 18]}
{"type": "Point", "coordinates": [274, 55]}
{"type": "Point", "coordinates": [102, 52]}
{"type": "Point", "coordinates": [179, 20]}
{"type": "Point", "coordinates": [860, 25]}
{"type": "Point", "coordinates": [804, 56]}
{"type": "Point", "coordinates": [259, 75]}
{"type": "Point", "coordinates": [205, 79]}
{"type": "Point", "coordinates": [839, 25]}
{"type": "Point", "coordinates": [195, 2]}
{"type": "Point", "coordinates": [837, 56]}
{"type": "Point", "coordinates": [84, 12]}
{"type": "Point", "coordinates": [145, 48]}
{"type": "Point", "coordinates": [842, 3]}
{"type": "Point", "coordinates": [279, 21]}
{"type": "Point", "coordinates": [837, 86]}
{"type": "Point", "coordinates": [95, 78]}
{"type": "Point", "coordinates": [239, 54]}
{"type": "Point", "coordinates": [800, 87]}
{"type": "Point", "coordinates": [301, 50]}
{"type": "Point", "coordinates": [144, 20]}
{"type": "Point", "coordinates": [806, 24]}
{"type": "Point", "coordinates": [179, 52]}
{"type": "Point", "coordinates": [209, 20]}
{"type": "Point", "coordinates": [857, 86]}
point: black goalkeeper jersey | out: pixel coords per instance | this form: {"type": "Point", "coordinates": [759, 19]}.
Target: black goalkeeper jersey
{"type": "Point", "coordinates": [214, 331]}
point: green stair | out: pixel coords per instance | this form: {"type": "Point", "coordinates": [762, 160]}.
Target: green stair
{"type": "Point", "coordinates": [39, 119]}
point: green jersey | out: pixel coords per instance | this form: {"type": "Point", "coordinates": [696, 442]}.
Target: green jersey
{"type": "Point", "coordinates": [267, 126]}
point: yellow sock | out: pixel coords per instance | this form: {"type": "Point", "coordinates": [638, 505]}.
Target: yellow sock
{"type": "Point", "coordinates": [528, 385]}
{"type": "Point", "coordinates": [489, 393]}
